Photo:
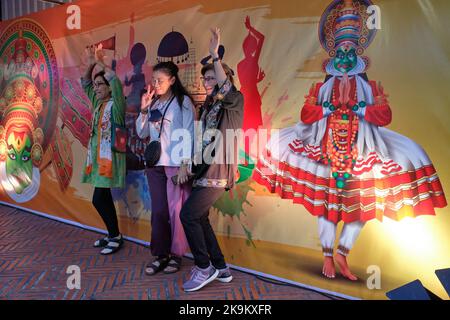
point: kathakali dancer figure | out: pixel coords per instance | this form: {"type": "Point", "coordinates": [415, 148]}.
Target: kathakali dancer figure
{"type": "Point", "coordinates": [340, 161]}
{"type": "Point", "coordinates": [29, 89]}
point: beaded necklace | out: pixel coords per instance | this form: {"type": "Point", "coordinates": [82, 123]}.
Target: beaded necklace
{"type": "Point", "coordinates": [341, 150]}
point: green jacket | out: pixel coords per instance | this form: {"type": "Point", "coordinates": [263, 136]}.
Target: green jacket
{"type": "Point", "coordinates": [118, 159]}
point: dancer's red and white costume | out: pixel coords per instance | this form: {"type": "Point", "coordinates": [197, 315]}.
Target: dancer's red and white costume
{"type": "Point", "coordinates": [390, 174]}
{"type": "Point", "coordinates": [340, 161]}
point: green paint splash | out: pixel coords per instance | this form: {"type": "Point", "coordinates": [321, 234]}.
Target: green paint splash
{"type": "Point", "coordinates": [232, 204]}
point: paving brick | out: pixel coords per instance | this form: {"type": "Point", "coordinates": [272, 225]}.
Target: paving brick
{"type": "Point", "coordinates": [34, 256]}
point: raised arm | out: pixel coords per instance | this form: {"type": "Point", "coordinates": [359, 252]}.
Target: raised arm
{"type": "Point", "coordinates": [214, 51]}
{"type": "Point", "coordinates": [90, 56]}
{"type": "Point", "coordinates": [120, 104]}
{"type": "Point", "coordinates": [258, 35]}
{"type": "Point", "coordinates": [86, 79]}
{"type": "Point", "coordinates": [117, 95]}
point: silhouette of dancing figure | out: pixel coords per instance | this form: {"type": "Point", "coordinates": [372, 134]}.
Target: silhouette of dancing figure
{"type": "Point", "coordinates": [250, 75]}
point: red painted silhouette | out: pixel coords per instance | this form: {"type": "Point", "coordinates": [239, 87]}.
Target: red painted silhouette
{"type": "Point", "coordinates": [250, 75]}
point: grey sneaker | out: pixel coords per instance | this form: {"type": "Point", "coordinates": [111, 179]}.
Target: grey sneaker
{"type": "Point", "coordinates": [200, 278]}
{"type": "Point", "coordinates": [224, 275]}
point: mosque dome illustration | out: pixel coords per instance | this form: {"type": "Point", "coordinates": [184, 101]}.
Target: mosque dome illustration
{"type": "Point", "coordinates": [173, 47]}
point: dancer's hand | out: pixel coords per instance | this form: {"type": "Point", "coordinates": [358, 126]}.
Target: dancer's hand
{"type": "Point", "coordinates": [90, 55]}
{"type": "Point", "coordinates": [247, 22]}
{"type": "Point", "coordinates": [147, 98]}
{"type": "Point", "coordinates": [99, 53]}
{"type": "Point", "coordinates": [344, 90]}
{"type": "Point", "coordinates": [103, 61]}
{"type": "Point", "coordinates": [214, 43]}
{"type": "Point", "coordinates": [261, 75]}
{"type": "Point", "coordinates": [183, 174]}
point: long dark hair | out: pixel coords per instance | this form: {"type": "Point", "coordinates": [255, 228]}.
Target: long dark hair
{"type": "Point", "coordinates": [178, 90]}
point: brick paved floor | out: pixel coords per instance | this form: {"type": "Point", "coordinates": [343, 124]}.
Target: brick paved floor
{"type": "Point", "coordinates": [35, 253]}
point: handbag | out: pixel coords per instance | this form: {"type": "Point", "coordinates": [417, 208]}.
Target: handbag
{"type": "Point", "coordinates": [152, 152]}
{"type": "Point", "coordinates": [118, 136]}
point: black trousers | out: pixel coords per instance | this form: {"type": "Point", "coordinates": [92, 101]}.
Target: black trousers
{"type": "Point", "coordinates": [103, 202]}
{"type": "Point", "coordinates": [198, 230]}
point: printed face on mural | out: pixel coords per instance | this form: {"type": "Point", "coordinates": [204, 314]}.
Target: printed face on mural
{"type": "Point", "coordinates": [27, 107]}
{"type": "Point", "coordinates": [20, 140]}
{"type": "Point", "coordinates": [345, 59]}
{"type": "Point", "coordinates": [19, 167]}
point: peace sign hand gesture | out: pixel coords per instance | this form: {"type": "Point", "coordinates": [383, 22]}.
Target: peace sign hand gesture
{"type": "Point", "coordinates": [147, 98]}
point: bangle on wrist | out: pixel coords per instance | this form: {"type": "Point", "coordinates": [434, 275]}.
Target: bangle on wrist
{"type": "Point", "coordinates": [216, 59]}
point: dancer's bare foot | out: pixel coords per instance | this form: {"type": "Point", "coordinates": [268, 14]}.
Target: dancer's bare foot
{"type": "Point", "coordinates": [343, 266]}
{"type": "Point", "coordinates": [329, 270]}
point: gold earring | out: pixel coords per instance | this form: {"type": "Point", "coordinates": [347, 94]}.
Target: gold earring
{"type": "Point", "coordinates": [36, 154]}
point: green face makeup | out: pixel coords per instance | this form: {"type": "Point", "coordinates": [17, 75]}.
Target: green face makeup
{"type": "Point", "coordinates": [345, 60]}
{"type": "Point", "coordinates": [19, 167]}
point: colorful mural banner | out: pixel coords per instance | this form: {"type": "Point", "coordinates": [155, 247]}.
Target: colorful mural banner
{"type": "Point", "coordinates": [284, 55]}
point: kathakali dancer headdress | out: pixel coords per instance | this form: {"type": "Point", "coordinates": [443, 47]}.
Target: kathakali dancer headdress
{"type": "Point", "coordinates": [20, 107]}
{"type": "Point", "coordinates": [341, 162]}
{"type": "Point", "coordinates": [29, 78]}
{"type": "Point", "coordinates": [344, 23]}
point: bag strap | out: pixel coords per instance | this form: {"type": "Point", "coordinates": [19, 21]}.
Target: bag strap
{"type": "Point", "coordinates": [164, 115]}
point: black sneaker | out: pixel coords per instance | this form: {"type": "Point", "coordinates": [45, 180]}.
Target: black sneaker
{"type": "Point", "coordinates": [224, 275]}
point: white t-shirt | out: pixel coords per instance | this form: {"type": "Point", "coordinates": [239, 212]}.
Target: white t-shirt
{"type": "Point", "coordinates": [178, 126]}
